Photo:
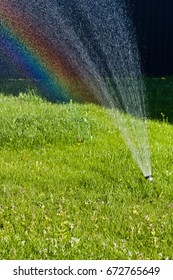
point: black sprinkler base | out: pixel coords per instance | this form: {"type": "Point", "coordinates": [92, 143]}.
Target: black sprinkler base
{"type": "Point", "coordinates": [149, 178]}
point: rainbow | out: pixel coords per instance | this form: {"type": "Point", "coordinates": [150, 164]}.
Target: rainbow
{"type": "Point", "coordinates": [37, 57]}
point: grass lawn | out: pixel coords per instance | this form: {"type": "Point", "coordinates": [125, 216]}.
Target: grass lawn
{"type": "Point", "coordinates": [69, 188]}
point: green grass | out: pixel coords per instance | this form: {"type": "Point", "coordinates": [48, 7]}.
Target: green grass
{"type": "Point", "coordinates": [69, 188]}
{"type": "Point", "coordinates": [159, 94]}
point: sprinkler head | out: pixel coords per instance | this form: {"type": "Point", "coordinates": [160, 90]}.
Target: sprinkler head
{"type": "Point", "coordinates": [149, 178]}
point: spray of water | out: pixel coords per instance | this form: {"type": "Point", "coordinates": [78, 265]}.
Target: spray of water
{"type": "Point", "coordinates": [98, 41]}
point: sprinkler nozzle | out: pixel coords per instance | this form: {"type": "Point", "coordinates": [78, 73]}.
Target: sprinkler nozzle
{"type": "Point", "coordinates": [149, 178]}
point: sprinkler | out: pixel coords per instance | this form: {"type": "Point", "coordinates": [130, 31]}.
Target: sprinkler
{"type": "Point", "coordinates": [149, 178]}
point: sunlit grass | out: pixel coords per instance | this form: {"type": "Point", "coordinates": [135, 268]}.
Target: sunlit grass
{"type": "Point", "coordinates": [69, 188]}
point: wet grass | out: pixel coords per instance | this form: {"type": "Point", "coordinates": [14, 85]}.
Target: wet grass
{"type": "Point", "coordinates": [69, 188]}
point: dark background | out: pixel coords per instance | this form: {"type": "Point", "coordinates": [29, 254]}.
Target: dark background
{"type": "Point", "coordinates": [153, 20]}
{"type": "Point", "coordinates": [154, 23]}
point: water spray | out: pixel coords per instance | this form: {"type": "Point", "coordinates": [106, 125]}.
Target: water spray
{"type": "Point", "coordinates": [149, 178]}
{"type": "Point", "coordinates": [83, 57]}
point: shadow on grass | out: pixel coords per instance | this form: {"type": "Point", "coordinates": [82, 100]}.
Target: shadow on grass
{"type": "Point", "coordinates": [16, 86]}
{"type": "Point", "coordinates": [160, 98]}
